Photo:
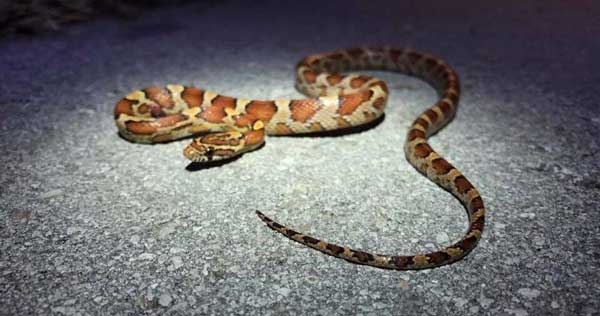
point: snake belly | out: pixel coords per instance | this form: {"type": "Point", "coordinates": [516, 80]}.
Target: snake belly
{"type": "Point", "coordinates": [229, 127]}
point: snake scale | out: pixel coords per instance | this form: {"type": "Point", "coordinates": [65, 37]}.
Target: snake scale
{"type": "Point", "coordinates": [228, 127]}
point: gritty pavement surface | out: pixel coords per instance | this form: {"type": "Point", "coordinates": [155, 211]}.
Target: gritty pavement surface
{"type": "Point", "coordinates": [92, 224]}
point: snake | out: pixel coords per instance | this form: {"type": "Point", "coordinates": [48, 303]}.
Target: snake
{"type": "Point", "coordinates": [225, 127]}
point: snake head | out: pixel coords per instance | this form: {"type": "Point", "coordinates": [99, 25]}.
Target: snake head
{"type": "Point", "coordinates": [200, 152]}
{"type": "Point", "coordinates": [215, 146]}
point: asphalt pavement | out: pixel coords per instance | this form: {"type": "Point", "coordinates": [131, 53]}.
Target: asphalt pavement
{"type": "Point", "coordinates": [95, 225]}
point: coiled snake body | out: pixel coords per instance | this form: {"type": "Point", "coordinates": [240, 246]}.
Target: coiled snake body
{"type": "Point", "coordinates": [232, 126]}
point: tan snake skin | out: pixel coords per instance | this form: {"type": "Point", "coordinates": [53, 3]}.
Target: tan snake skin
{"type": "Point", "coordinates": [232, 126]}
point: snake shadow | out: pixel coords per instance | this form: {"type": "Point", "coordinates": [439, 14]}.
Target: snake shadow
{"type": "Point", "coordinates": [342, 131]}
{"type": "Point", "coordinates": [198, 166]}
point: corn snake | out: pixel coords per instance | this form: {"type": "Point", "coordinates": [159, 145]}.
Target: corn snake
{"type": "Point", "coordinates": [229, 127]}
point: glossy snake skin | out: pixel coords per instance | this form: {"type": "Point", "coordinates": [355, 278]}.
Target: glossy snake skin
{"type": "Point", "coordinates": [232, 126]}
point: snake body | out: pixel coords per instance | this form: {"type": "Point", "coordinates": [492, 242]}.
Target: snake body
{"type": "Point", "coordinates": [231, 126]}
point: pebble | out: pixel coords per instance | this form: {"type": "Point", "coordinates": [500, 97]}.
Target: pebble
{"type": "Point", "coordinates": [441, 238]}
{"type": "Point", "coordinates": [51, 194]}
{"type": "Point", "coordinates": [147, 256]}
{"type": "Point", "coordinates": [460, 302]}
{"type": "Point", "coordinates": [312, 279]}
{"type": "Point", "coordinates": [516, 311]}
{"type": "Point", "coordinates": [284, 291]}
{"type": "Point", "coordinates": [485, 302]}
{"type": "Point", "coordinates": [70, 301]}
{"type": "Point", "coordinates": [527, 215]}
{"type": "Point", "coordinates": [166, 231]}
{"type": "Point", "coordinates": [135, 239]}
{"type": "Point", "coordinates": [403, 284]}
{"type": "Point", "coordinates": [165, 300]}
{"type": "Point", "coordinates": [177, 262]}
{"type": "Point", "coordinates": [175, 250]}
{"type": "Point", "coordinates": [539, 241]}
{"type": "Point", "coordinates": [529, 293]}
{"type": "Point", "coordinates": [71, 230]}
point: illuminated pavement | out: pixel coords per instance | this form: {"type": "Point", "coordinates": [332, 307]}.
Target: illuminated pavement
{"type": "Point", "coordinates": [92, 224]}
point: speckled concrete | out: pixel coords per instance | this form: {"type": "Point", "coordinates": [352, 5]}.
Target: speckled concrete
{"type": "Point", "coordinates": [93, 224]}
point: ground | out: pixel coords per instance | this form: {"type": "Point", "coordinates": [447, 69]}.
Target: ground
{"type": "Point", "coordinates": [94, 224]}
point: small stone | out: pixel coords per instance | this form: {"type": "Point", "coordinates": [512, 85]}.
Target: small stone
{"type": "Point", "coordinates": [403, 285]}
{"type": "Point", "coordinates": [284, 291]}
{"type": "Point", "coordinates": [312, 279]}
{"type": "Point", "coordinates": [460, 302]}
{"type": "Point", "coordinates": [474, 309]}
{"type": "Point", "coordinates": [175, 250]}
{"type": "Point", "coordinates": [529, 293]}
{"type": "Point", "coordinates": [539, 241]}
{"type": "Point", "coordinates": [516, 311]}
{"type": "Point", "coordinates": [70, 302]}
{"type": "Point", "coordinates": [146, 256]}
{"type": "Point", "coordinates": [51, 194]}
{"type": "Point", "coordinates": [135, 239]}
{"type": "Point", "coordinates": [177, 262]}
{"type": "Point", "coordinates": [72, 230]}
{"type": "Point", "coordinates": [234, 269]}
{"type": "Point", "coordinates": [194, 273]}
{"type": "Point", "coordinates": [98, 299]}
{"type": "Point", "coordinates": [182, 306]}
{"type": "Point", "coordinates": [148, 300]}
{"type": "Point", "coordinates": [485, 302]}
{"type": "Point", "coordinates": [554, 304]}
{"type": "Point", "coordinates": [441, 238]}
{"type": "Point", "coordinates": [166, 231]}
{"type": "Point", "coordinates": [22, 215]}
{"type": "Point", "coordinates": [59, 309]}
{"type": "Point", "coordinates": [590, 310]}
{"type": "Point", "coordinates": [165, 300]}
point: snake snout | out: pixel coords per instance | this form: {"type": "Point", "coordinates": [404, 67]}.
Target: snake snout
{"type": "Point", "coordinates": [197, 152]}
